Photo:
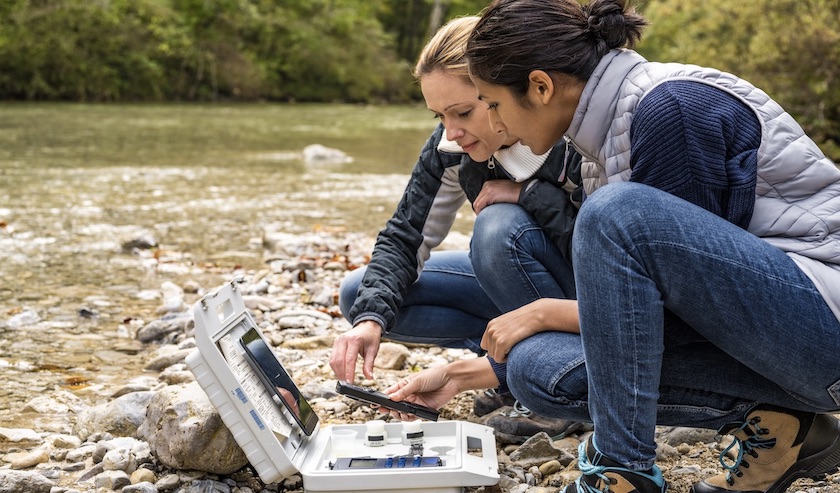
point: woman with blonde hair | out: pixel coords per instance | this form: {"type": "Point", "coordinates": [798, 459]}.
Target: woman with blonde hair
{"type": "Point", "coordinates": [408, 293]}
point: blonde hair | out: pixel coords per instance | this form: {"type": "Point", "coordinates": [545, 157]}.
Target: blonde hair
{"type": "Point", "coordinates": [445, 51]}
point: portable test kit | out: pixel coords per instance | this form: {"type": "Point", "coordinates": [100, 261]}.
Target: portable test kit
{"type": "Point", "coordinates": [278, 430]}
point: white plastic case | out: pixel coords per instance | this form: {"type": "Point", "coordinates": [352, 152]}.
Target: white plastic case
{"type": "Point", "coordinates": [276, 446]}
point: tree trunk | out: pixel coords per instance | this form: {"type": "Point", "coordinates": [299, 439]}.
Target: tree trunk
{"type": "Point", "coordinates": [436, 17]}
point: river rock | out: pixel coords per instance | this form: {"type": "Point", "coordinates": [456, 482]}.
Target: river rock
{"type": "Point", "coordinates": [166, 356]}
{"type": "Point", "coordinates": [185, 431]}
{"type": "Point", "coordinates": [538, 450]}
{"type": "Point", "coordinates": [679, 434]}
{"type": "Point", "coordinates": [141, 487]}
{"type": "Point", "coordinates": [158, 329]}
{"type": "Point", "coordinates": [24, 482]}
{"type": "Point", "coordinates": [143, 475]}
{"type": "Point", "coordinates": [391, 356]}
{"type": "Point", "coordinates": [314, 342]}
{"type": "Point", "coordinates": [120, 417]}
{"type": "Point", "coordinates": [60, 402]}
{"type": "Point", "coordinates": [317, 153]}
{"type": "Point", "coordinates": [144, 242]}
{"type": "Point", "coordinates": [112, 480]}
{"type": "Point", "coordinates": [173, 298]}
{"type": "Point", "coordinates": [24, 318]}
{"type": "Point", "coordinates": [62, 441]}
{"type": "Point", "coordinates": [20, 436]}
{"type": "Point", "coordinates": [25, 460]}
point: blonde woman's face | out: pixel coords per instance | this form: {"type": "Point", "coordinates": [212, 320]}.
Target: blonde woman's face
{"type": "Point", "coordinates": [454, 101]}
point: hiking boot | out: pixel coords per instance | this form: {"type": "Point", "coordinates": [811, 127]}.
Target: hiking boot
{"type": "Point", "coordinates": [775, 447]}
{"type": "Point", "coordinates": [488, 401]}
{"type": "Point", "coordinates": [515, 424]}
{"type": "Point", "coordinates": [599, 473]}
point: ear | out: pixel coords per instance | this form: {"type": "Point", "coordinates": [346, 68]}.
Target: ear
{"type": "Point", "coordinates": [540, 86]}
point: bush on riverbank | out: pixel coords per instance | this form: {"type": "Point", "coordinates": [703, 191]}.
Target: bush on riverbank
{"type": "Point", "coordinates": [152, 50]}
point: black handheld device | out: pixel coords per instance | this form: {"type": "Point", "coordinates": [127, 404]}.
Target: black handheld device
{"type": "Point", "coordinates": [374, 397]}
{"type": "Point", "coordinates": [275, 379]}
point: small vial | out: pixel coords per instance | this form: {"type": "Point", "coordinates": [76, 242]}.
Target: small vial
{"type": "Point", "coordinates": [375, 435]}
{"type": "Point", "coordinates": [413, 436]}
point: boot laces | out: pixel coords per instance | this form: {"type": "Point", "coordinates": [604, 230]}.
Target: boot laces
{"type": "Point", "coordinates": [587, 468]}
{"type": "Point", "coordinates": [518, 411]}
{"type": "Point", "coordinates": [748, 446]}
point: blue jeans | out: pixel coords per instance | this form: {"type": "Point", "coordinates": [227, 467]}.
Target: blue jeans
{"type": "Point", "coordinates": [685, 319]}
{"type": "Point", "coordinates": [513, 263]}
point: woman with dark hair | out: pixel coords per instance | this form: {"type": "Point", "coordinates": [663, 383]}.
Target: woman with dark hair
{"type": "Point", "coordinates": [706, 252]}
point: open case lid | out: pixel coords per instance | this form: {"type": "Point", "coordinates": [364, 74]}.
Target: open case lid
{"type": "Point", "coordinates": [235, 389]}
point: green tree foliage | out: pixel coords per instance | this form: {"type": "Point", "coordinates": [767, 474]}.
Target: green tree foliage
{"type": "Point", "coordinates": [103, 50]}
{"type": "Point", "coordinates": [77, 49]}
{"type": "Point", "coordinates": [357, 64]}
{"type": "Point", "coordinates": [410, 20]}
{"type": "Point", "coordinates": [788, 48]}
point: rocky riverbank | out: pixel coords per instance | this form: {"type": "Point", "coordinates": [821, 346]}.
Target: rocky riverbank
{"type": "Point", "coordinates": [154, 430]}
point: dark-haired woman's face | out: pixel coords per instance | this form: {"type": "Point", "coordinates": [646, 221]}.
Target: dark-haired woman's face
{"type": "Point", "coordinates": [538, 122]}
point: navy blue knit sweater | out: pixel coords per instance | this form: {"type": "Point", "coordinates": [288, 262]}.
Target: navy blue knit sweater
{"type": "Point", "coordinates": [699, 143]}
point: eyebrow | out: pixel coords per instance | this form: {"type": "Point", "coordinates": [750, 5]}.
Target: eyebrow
{"type": "Point", "coordinates": [455, 104]}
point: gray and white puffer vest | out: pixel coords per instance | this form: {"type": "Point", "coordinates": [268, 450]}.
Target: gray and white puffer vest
{"type": "Point", "coordinates": [797, 204]}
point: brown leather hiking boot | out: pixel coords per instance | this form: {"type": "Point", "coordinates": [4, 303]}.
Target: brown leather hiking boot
{"type": "Point", "coordinates": [775, 447]}
{"type": "Point", "coordinates": [599, 473]}
{"type": "Point", "coordinates": [488, 401]}
{"type": "Point", "coordinates": [516, 424]}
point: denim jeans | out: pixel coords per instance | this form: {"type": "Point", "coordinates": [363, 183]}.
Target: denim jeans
{"type": "Point", "coordinates": [685, 319]}
{"type": "Point", "coordinates": [513, 263]}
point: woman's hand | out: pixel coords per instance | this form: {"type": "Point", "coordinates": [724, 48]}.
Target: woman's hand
{"type": "Point", "coordinates": [434, 387]}
{"type": "Point", "coordinates": [495, 192]}
{"type": "Point", "coordinates": [363, 339]}
{"type": "Point", "coordinates": [503, 332]}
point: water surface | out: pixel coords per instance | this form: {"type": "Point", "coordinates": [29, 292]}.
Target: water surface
{"type": "Point", "coordinates": [78, 181]}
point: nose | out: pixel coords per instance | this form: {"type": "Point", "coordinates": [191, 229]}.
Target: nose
{"type": "Point", "coordinates": [454, 133]}
{"type": "Point", "coordinates": [496, 123]}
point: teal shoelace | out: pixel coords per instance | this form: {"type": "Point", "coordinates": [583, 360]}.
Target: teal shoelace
{"type": "Point", "coordinates": [587, 468]}
{"type": "Point", "coordinates": [748, 446]}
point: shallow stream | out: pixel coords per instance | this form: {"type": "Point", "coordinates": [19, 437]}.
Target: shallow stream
{"type": "Point", "coordinates": [79, 182]}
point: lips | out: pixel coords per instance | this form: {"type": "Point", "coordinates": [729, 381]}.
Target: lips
{"type": "Point", "coordinates": [468, 147]}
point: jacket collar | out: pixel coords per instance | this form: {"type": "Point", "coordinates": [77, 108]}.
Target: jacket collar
{"type": "Point", "coordinates": [597, 107]}
{"type": "Point", "coordinates": [517, 160]}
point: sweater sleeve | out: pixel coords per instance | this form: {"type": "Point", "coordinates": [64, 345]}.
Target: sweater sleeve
{"type": "Point", "coordinates": [423, 216]}
{"type": "Point", "coordinates": [700, 143]}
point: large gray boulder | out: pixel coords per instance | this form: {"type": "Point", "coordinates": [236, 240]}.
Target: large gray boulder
{"type": "Point", "coordinates": [184, 431]}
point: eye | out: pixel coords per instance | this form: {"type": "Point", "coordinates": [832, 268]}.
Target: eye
{"type": "Point", "coordinates": [492, 106]}
{"type": "Point", "coordinates": [465, 114]}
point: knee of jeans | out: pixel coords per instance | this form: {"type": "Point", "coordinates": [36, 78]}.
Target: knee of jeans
{"type": "Point", "coordinates": [609, 199]}
{"type": "Point", "coordinates": [605, 211]}
{"type": "Point", "coordinates": [497, 227]}
{"type": "Point", "coordinates": [349, 289]}
{"type": "Point", "coordinates": [540, 376]}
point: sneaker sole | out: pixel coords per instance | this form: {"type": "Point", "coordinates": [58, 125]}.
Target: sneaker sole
{"type": "Point", "coordinates": [815, 466]}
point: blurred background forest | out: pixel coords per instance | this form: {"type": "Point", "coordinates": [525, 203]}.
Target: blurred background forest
{"type": "Point", "coordinates": [361, 51]}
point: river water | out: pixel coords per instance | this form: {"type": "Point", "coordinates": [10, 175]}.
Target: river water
{"type": "Point", "coordinates": [79, 181]}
